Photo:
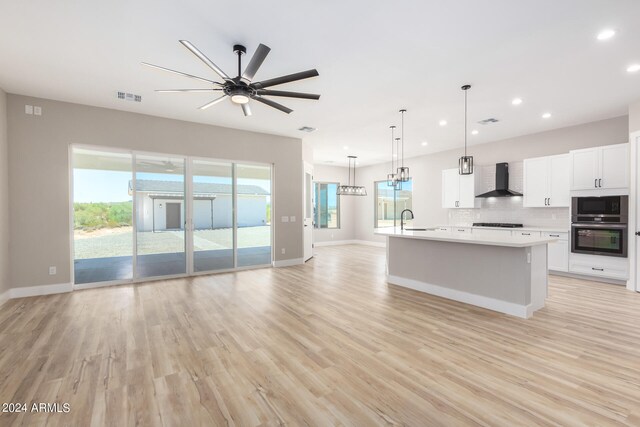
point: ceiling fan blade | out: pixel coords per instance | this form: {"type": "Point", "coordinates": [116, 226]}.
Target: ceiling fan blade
{"type": "Point", "coordinates": [180, 73]}
{"type": "Point", "coordinates": [286, 79]}
{"type": "Point", "coordinates": [212, 103]}
{"type": "Point", "coordinates": [203, 58]}
{"type": "Point", "coordinates": [287, 94]}
{"type": "Point", "coordinates": [246, 109]}
{"type": "Point", "coordinates": [273, 104]}
{"type": "Point", "coordinates": [185, 90]}
{"type": "Point", "coordinates": [256, 61]}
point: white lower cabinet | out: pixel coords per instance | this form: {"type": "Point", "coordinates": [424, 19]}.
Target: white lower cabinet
{"type": "Point", "coordinates": [522, 233]}
{"type": "Point", "coordinates": [558, 251]}
{"type": "Point", "coordinates": [443, 229]}
{"type": "Point", "coordinates": [601, 266]}
{"type": "Point", "coordinates": [490, 232]}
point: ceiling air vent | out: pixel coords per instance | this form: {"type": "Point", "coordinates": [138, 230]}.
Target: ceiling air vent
{"type": "Point", "coordinates": [129, 97]}
{"type": "Point", "coordinates": [307, 129]}
{"type": "Point", "coordinates": [488, 121]}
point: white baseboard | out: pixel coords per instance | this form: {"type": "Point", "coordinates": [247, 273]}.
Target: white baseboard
{"type": "Point", "coordinates": [288, 262]}
{"type": "Point", "coordinates": [350, 242]}
{"type": "Point", "coordinates": [32, 291]}
{"type": "Point", "coordinates": [518, 310]}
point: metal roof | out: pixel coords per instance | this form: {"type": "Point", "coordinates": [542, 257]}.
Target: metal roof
{"type": "Point", "coordinates": [149, 185]}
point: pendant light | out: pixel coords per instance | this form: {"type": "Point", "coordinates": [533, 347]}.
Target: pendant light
{"type": "Point", "coordinates": [351, 190]}
{"type": "Point", "coordinates": [465, 164]}
{"type": "Point", "coordinates": [392, 178]}
{"type": "Point", "coordinates": [403, 172]}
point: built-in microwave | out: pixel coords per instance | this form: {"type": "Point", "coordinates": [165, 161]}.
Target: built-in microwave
{"type": "Point", "coordinates": [600, 209]}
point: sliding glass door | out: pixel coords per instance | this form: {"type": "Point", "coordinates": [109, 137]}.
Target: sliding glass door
{"type": "Point", "coordinates": [139, 215]}
{"type": "Point", "coordinates": [160, 216]}
{"type": "Point", "coordinates": [212, 215]}
{"type": "Point", "coordinates": [102, 216]}
{"type": "Point", "coordinates": [253, 201]}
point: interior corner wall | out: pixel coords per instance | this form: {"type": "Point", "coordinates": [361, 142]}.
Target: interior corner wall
{"type": "Point", "coordinates": [4, 198]}
{"type": "Point", "coordinates": [324, 173]}
{"type": "Point", "coordinates": [426, 170]}
{"type": "Point", "coordinates": [634, 117]}
{"type": "Point", "coordinates": [39, 174]}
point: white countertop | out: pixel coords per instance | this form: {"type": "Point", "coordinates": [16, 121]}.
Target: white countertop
{"type": "Point", "coordinates": [548, 229]}
{"type": "Point", "coordinates": [497, 240]}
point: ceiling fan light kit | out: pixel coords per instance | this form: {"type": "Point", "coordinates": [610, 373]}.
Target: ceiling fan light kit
{"type": "Point", "coordinates": [465, 163]}
{"type": "Point", "coordinates": [242, 89]}
{"type": "Point", "coordinates": [351, 190]}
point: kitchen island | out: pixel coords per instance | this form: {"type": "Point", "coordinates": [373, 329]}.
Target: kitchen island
{"type": "Point", "coordinates": [501, 273]}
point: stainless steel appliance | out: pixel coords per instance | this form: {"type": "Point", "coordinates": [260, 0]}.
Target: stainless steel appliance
{"type": "Point", "coordinates": [599, 225]}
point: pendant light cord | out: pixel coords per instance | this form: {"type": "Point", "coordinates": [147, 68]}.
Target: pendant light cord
{"type": "Point", "coordinates": [402, 134]}
{"type": "Point", "coordinates": [465, 122]}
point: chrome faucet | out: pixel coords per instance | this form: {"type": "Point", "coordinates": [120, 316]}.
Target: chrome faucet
{"type": "Point", "coordinates": [402, 217]}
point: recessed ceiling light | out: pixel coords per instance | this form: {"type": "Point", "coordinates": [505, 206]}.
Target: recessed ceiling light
{"type": "Point", "coordinates": [474, 132]}
{"type": "Point", "coordinates": [442, 122]}
{"type": "Point", "coordinates": [633, 68]}
{"type": "Point", "coordinates": [546, 115]}
{"type": "Point", "coordinates": [516, 101]}
{"type": "Point", "coordinates": [425, 143]}
{"type": "Point", "coordinates": [345, 147]}
{"type": "Point", "coordinates": [606, 34]}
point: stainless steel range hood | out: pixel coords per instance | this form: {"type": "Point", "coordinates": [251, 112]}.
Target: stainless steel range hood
{"type": "Point", "coordinates": [502, 183]}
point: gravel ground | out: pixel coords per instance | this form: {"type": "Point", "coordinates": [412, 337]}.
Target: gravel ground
{"type": "Point", "coordinates": [120, 244]}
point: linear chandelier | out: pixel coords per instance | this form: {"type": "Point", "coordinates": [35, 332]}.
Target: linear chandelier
{"type": "Point", "coordinates": [351, 190]}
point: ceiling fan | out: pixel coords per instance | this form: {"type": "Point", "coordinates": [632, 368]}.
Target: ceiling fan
{"type": "Point", "coordinates": [241, 89]}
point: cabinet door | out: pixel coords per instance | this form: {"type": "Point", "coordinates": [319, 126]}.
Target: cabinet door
{"type": "Point", "coordinates": [558, 255]}
{"type": "Point", "coordinates": [467, 191]}
{"type": "Point", "coordinates": [614, 166]}
{"type": "Point", "coordinates": [584, 169]}
{"type": "Point", "coordinates": [535, 182]}
{"type": "Point", "coordinates": [559, 176]}
{"type": "Point", "coordinates": [450, 188]}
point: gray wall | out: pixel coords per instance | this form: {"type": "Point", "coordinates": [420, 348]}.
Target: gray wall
{"type": "Point", "coordinates": [323, 173]}
{"type": "Point", "coordinates": [39, 174]}
{"type": "Point", "coordinates": [4, 196]}
{"type": "Point", "coordinates": [634, 117]}
{"type": "Point", "coordinates": [427, 170]}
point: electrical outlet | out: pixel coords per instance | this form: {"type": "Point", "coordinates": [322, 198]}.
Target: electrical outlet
{"type": "Point", "coordinates": [52, 270]}
{"type": "Point", "coordinates": [37, 111]}
{"type": "Point", "coordinates": [28, 109]}
{"type": "Point", "coordinates": [292, 219]}
{"type": "Point", "coordinates": [284, 219]}
{"type": "Point", "coordinates": [283, 251]}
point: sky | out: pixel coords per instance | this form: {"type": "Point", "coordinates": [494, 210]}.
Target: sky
{"type": "Point", "coordinates": [94, 186]}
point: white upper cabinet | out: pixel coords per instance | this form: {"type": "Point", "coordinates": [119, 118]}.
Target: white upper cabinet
{"type": "Point", "coordinates": [614, 166]}
{"type": "Point", "coordinates": [459, 191]}
{"type": "Point", "coordinates": [600, 168]}
{"type": "Point", "coordinates": [546, 182]}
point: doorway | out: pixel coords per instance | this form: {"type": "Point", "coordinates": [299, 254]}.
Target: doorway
{"type": "Point", "coordinates": [308, 211]}
{"type": "Point", "coordinates": [173, 216]}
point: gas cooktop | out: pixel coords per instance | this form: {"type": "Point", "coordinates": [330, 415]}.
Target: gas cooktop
{"type": "Point", "coordinates": [497, 224]}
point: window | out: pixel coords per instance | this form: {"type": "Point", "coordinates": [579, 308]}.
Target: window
{"type": "Point", "coordinates": [326, 212]}
{"type": "Point", "coordinates": [389, 203]}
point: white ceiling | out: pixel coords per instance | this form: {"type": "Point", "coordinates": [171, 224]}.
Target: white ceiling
{"type": "Point", "coordinates": [374, 57]}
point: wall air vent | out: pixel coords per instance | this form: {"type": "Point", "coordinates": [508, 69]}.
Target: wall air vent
{"type": "Point", "coordinates": [129, 97]}
{"type": "Point", "coordinates": [307, 129]}
{"type": "Point", "coordinates": [488, 121]}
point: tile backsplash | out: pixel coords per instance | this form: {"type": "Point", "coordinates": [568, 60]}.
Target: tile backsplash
{"type": "Point", "coordinates": [508, 209]}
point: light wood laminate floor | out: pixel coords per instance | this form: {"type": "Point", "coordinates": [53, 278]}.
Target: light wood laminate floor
{"type": "Point", "coordinates": [327, 343]}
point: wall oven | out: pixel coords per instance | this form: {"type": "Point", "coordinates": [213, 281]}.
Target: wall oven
{"type": "Point", "coordinates": [599, 225]}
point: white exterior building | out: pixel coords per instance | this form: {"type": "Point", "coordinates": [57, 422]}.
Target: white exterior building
{"type": "Point", "coordinates": [160, 205]}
